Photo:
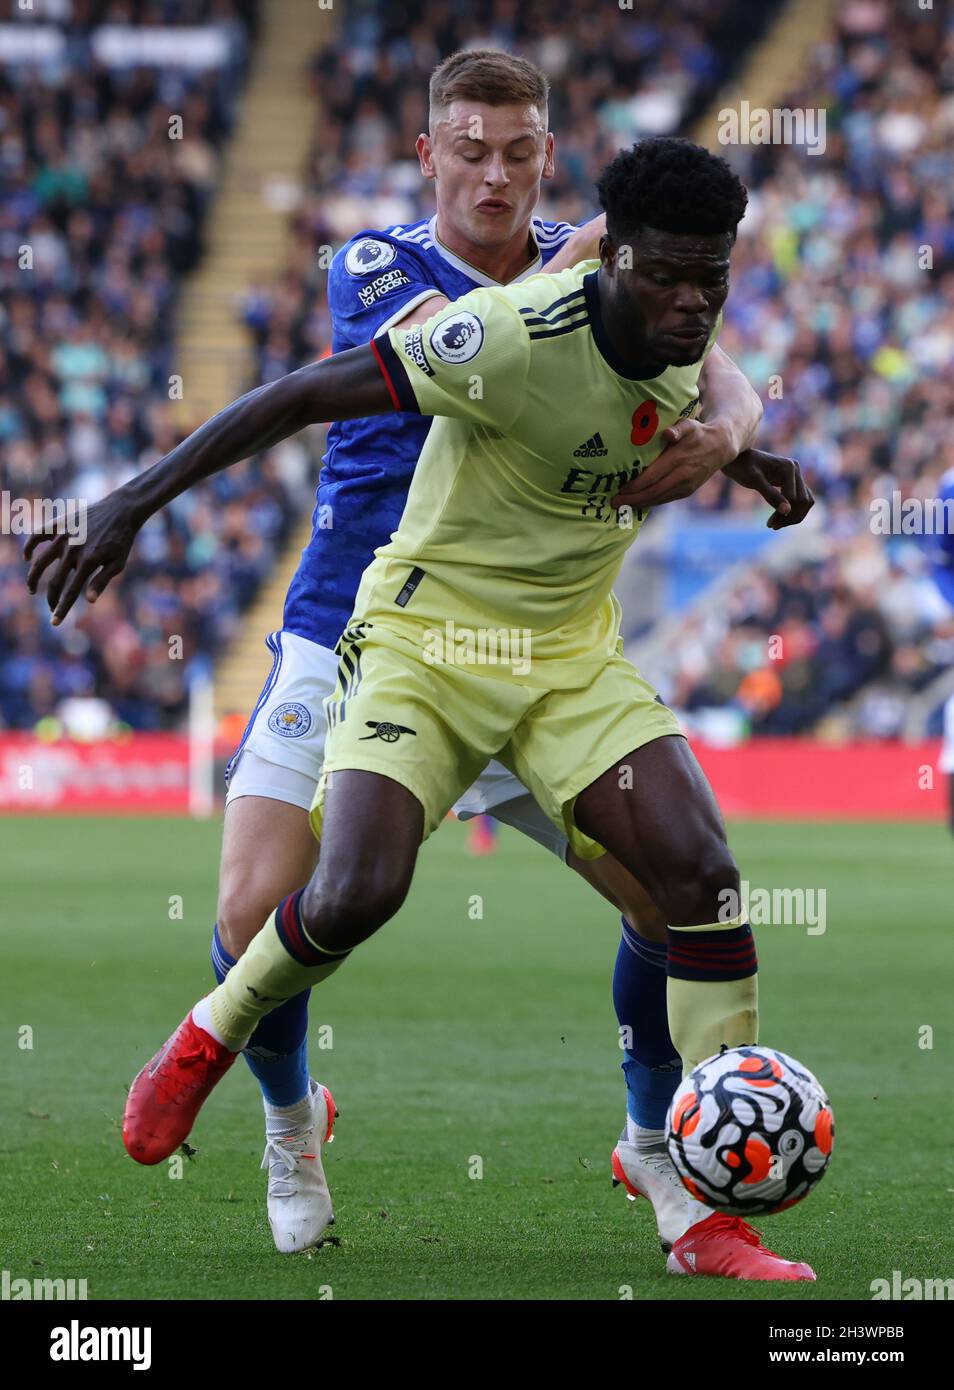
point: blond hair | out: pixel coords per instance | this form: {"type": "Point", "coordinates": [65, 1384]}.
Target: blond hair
{"type": "Point", "coordinates": [488, 75]}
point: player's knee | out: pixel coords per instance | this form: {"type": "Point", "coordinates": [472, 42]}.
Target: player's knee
{"type": "Point", "coordinates": [719, 882]}
{"type": "Point", "coordinates": [702, 886]}
{"type": "Point", "coordinates": [244, 908]}
{"type": "Point", "coordinates": [341, 910]}
{"type": "Point", "coordinates": [645, 918]}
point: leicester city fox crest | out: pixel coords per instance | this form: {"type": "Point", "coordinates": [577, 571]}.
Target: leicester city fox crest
{"type": "Point", "coordinates": [291, 720]}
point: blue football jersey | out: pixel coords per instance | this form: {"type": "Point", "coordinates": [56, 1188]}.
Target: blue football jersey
{"type": "Point", "coordinates": [942, 545]}
{"type": "Point", "coordinates": [375, 280]}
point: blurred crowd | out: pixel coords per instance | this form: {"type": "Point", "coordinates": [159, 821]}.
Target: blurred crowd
{"type": "Point", "coordinates": [112, 212]}
{"type": "Point", "coordinates": [835, 646]}
{"type": "Point", "coordinates": [842, 315]}
{"type": "Point", "coordinates": [836, 315]}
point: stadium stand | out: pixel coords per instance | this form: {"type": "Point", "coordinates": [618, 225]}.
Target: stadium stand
{"type": "Point", "coordinates": [113, 210]}
{"type": "Point", "coordinates": [843, 293]}
{"type": "Point", "coordinates": [829, 299]}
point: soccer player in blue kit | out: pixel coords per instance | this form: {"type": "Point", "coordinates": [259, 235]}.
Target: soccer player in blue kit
{"type": "Point", "coordinates": [942, 570]}
{"type": "Point", "coordinates": [487, 151]}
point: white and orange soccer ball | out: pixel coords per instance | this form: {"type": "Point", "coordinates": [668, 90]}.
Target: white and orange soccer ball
{"type": "Point", "coordinates": [750, 1131]}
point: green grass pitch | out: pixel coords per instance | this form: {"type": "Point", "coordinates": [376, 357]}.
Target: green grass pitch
{"type": "Point", "coordinates": [457, 1039]}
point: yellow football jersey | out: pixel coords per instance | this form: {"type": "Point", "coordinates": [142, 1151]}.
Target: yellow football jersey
{"type": "Point", "coordinates": [508, 526]}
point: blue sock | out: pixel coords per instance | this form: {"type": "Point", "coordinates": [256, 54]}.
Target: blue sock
{"type": "Point", "coordinates": [652, 1066]}
{"type": "Point", "coordinates": [277, 1052]}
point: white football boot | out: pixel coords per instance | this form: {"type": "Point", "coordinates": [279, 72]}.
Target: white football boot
{"type": "Point", "coordinates": [653, 1175]}
{"type": "Point", "coordinates": [299, 1203]}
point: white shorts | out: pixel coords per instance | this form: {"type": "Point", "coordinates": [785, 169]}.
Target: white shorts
{"type": "Point", "coordinates": [947, 748]}
{"type": "Point", "coordinates": [283, 747]}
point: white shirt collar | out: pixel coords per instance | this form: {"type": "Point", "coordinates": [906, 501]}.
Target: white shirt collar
{"type": "Point", "coordinates": [471, 271]}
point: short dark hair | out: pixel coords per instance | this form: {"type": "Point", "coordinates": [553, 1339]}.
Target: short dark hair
{"type": "Point", "coordinates": [672, 185]}
{"type": "Point", "coordinates": [489, 75]}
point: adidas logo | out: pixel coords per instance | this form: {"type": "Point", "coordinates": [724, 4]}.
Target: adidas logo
{"type": "Point", "coordinates": [592, 448]}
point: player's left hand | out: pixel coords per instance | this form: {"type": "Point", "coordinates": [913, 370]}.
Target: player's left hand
{"type": "Point", "coordinates": [693, 452]}
{"type": "Point", "coordinates": [779, 480]}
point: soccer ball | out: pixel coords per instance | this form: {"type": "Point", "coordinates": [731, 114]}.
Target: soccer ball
{"type": "Point", "coordinates": [750, 1131]}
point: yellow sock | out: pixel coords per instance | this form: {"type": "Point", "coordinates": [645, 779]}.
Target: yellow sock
{"type": "Point", "coordinates": [262, 979]}
{"type": "Point", "coordinates": [712, 991]}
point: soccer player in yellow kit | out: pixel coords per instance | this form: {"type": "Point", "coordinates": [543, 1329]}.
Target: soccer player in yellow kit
{"type": "Point", "coordinates": [488, 627]}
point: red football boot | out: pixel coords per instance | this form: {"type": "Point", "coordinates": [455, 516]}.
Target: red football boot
{"type": "Point", "coordinates": [168, 1093]}
{"type": "Point", "coordinates": [728, 1247]}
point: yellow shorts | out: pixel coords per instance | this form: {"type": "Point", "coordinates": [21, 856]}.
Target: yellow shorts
{"type": "Point", "coordinates": [433, 728]}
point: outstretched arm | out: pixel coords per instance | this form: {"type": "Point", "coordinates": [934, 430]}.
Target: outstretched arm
{"type": "Point", "coordinates": [348, 386]}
